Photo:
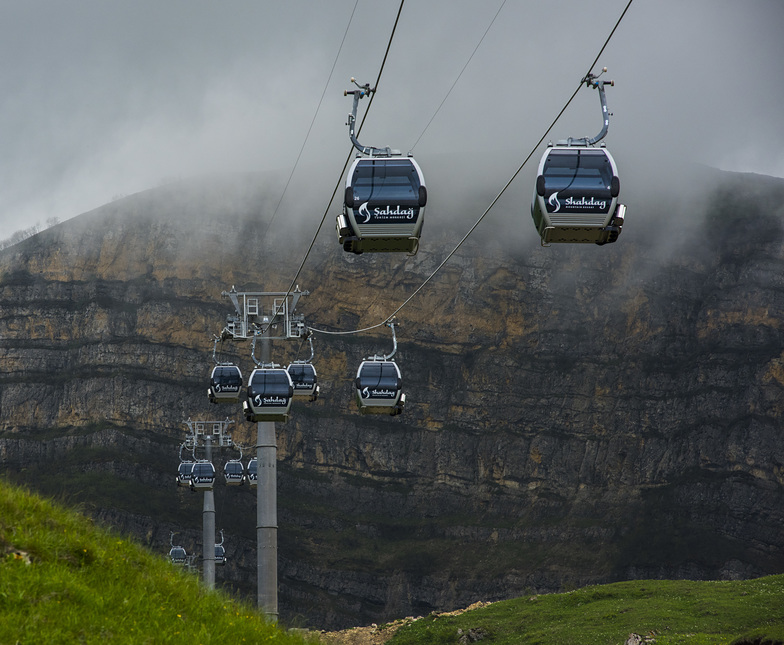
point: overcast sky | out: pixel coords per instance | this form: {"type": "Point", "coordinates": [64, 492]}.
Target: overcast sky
{"type": "Point", "coordinates": [104, 98]}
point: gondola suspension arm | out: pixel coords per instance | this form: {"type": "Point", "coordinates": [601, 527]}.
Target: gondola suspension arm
{"type": "Point", "coordinates": [364, 90]}
{"type": "Point", "coordinates": [378, 357]}
{"type": "Point", "coordinates": [308, 360]}
{"type": "Point", "coordinates": [592, 80]}
{"type": "Point", "coordinates": [217, 339]}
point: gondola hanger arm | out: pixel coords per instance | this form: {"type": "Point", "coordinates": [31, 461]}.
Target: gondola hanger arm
{"type": "Point", "coordinates": [378, 357]}
{"type": "Point", "coordinates": [307, 361]}
{"type": "Point", "coordinates": [592, 80]}
{"type": "Point", "coordinates": [216, 340]}
{"type": "Point", "coordinates": [361, 92]}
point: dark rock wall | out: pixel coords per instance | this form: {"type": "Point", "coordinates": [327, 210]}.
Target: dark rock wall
{"type": "Point", "coordinates": [575, 415]}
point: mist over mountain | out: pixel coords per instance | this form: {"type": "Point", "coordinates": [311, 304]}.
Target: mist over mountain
{"type": "Point", "coordinates": [575, 414]}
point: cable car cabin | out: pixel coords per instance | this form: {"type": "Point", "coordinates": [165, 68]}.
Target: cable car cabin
{"type": "Point", "coordinates": [234, 472]}
{"type": "Point", "coordinates": [253, 472]}
{"type": "Point", "coordinates": [270, 391]}
{"type": "Point", "coordinates": [576, 196]}
{"type": "Point", "coordinates": [379, 388]}
{"type": "Point", "coordinates": [303, 377]}
{"type": "Point", "coordinates": [203, 476]}
{"type": "Point", "coordinates": [178, 555]}
{"type": "Point", "coordinates": [184, 473]}
{"type": "Point", "coordinates": [220, 555]}
{"type": "Point", "coordinates": [225, 384]}
{"type": "Point", "coordinates": [384, 206]}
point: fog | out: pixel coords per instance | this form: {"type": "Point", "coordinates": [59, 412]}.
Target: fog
{"type": "Point", "coordinates": [102, 99]}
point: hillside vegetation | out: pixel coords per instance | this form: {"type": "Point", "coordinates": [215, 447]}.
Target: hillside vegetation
{"type": "Point", "coordinates": [642, 612]}
{"type": "Point", "coordinates": [63, 580]}
{"type": "Point", "coordinates": [664, 612]}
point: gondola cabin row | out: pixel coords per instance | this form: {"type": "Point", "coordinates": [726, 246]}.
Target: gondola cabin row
{"type": "Point", "coordinates": [270, 391]}
{"type": "Point", "coordinates": [575, 199]}
{"type": "Point", "coordinates": [200, 475]}
{"type": "Point", "coordinates": [225, 384]}
{"type": "Point", "coordinates": [379, 388]}
{"type": "Point", "coordinates": [383, 206]}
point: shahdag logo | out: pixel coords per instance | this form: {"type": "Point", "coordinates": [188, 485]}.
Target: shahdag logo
{"type": "Point", "coordinates": [260, 400]}
{"type": "Point", "coordinates": [387, 214]}
{"type": "Point", "coordinates": [553, 201]}
{"type": "Point", "coordinates": [365, 393]}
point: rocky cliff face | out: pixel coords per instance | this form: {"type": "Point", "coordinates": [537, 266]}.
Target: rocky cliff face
{"type": "Point", "coordinates": [575, 415]}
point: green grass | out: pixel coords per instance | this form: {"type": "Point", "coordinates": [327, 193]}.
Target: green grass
{"type": "Point", "coordinates": [672, 612]}
{"type": "Point", "coordinates": [64, 580]}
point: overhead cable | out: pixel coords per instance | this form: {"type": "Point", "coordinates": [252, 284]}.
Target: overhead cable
{"type": "Point", "coordinates": [438, 109]}
{"type": "Point", "coordinates": [315, 114]}
{"type": "Point", "coordinates": [348, 158]}
{"type": "Point", "coordinates": [493, 203]}
{"type": "Point", "coordinates": [345, 165]}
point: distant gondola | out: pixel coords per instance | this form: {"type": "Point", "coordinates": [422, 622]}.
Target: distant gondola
{"type": "Point", "coordinates": [220, 555]}
{"type": "Point", "coordinates": [234, 472]}
{"type": "Point", "coordinates": [203, 475]}
{"type": "Point", "coordinates": [384, 206]}
{"type": "Point", "coordinates": [220, 552]}
{"type": "Point", "coordinates": [253, 472]}
{"type": "Point", "coordinates": [270, 391]}
{"type": "Point", "coordinates": [304, 379]}
{"type": "Point", "coordinates": [184, 472]}
{"type": "Point", "coordinates": [178, 555]}
{"type": "Point", "coordinates": [379, 388]}
{"type": "Point", "coordinates": [225, 384]}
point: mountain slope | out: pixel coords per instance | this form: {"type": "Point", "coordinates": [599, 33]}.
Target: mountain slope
{"type": "Point", "coordinates": [63, 580]}
{"type": "Point", "coordinates": [575, 414]}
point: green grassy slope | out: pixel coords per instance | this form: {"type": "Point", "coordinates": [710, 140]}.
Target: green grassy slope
{"type": "Point", "coordinates": [63, 580]}
{"type": "Point", "coordinates": [665, 612]}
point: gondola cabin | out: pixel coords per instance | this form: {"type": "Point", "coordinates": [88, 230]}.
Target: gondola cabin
{"type": "Point", "coordinates": [220, 555]}
{"type": "Point", "coordinates": [178, 555]}
{"type": "Point", "coordinates": [184, 472]}
{"type": "Point", "coordinates": [203, 475]}
{"type": "Point", "coordinates": [384, 206]}
{"type": "Point", "coordinates": [270, 391]}
{"type": "Point", "coordinates": [225, 384]}
{"type": "Point", "coordinates": [234, 472]}
{"type": "Point", "coordinates": [253, 472]}
{"type": "Point", "coordinates": [305, 381]}
{"type": "Point", "coordinates": [379, 388]}
{"type": "Point", "coordinates": [575, 199]}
